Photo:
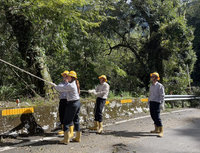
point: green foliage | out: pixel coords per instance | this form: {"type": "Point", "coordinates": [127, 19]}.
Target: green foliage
{"type": "Point", "coordinates": [195, 91]}
{"type": "Point", "coordinates": [193, 17]}
{"type": "Point", "coordinates": [126, 41]}
{"type": "Point", "coordinates": [121, 95]}
{"type": "Point", "coordinates": [156, 34]}
{"type": "Point", "coordinates": [7, 92]}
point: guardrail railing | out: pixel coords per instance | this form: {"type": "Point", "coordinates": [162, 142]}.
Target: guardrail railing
{"type": "Point", "coordinates": [173, 98]}
{"type": "Point", "coordinates": [180, 97]}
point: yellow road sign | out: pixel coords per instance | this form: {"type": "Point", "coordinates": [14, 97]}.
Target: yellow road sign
{"type": "Point", "coordinates": [144, 100]}
{"type": "Point", "coordinates": [126, 101]}
{"type": "Point", "coordinates": [17, 111]}
{"type": "Point", "coordinates": [107, 102]}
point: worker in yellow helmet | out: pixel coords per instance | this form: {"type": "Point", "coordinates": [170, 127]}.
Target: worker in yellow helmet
{"type": "Point", "coordinates": [63, 103]}
{"type": "Point", "coordinates": [101, 92]}
{"type": "Point", "coordinates": [72, 108]}
{"type": "Point", "coordinates": [156, 102]}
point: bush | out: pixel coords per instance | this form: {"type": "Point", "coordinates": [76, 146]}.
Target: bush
{"type": "Point", "coordinates": [196, 92]}
{"type": "Point", "coordinates": [6, 92]}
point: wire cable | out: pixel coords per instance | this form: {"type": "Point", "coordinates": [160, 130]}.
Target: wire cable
{"type": "Point", "coordinates": [24, 71]}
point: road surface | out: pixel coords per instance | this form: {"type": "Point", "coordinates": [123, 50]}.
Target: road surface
{"type": "Point", "coordinates": [181, 135]}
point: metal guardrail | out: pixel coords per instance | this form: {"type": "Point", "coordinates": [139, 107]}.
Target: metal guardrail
{"type": "Point", "coordinates": [173, 98]}
{"type": "Point", "coordinates": [180, 97]}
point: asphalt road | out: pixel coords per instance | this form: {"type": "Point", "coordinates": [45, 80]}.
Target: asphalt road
{"type": "Point", "coordinates": [181, 135]}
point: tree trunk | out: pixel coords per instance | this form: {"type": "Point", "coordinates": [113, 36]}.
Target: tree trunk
{"type": "Point", "coordinates": [34, 56]}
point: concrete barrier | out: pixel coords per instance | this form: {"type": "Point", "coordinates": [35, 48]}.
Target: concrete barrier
{"type": "Point", "coordinates": [47, 116]}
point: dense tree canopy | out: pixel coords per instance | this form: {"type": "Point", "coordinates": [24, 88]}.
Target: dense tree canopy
{"type": "Point", "coordinates": [193, 17]}
{"type": "Point", "coordinates": [125, 40]}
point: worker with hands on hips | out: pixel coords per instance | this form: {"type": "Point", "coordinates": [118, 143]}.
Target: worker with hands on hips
{"type": "Point", "coordinates": [156, 102]}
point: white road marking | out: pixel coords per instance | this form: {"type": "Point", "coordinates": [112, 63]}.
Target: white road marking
{"type": "Point", "coordinates": [147, 116]}
{"type": "Point", "coordinates": [26, 143]}
{"type": "Point", "coordinates": [51, 138]}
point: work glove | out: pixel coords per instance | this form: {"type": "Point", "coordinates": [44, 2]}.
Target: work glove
{"type": "Point", "coordinates": [90, 91]}
{"type": "Point", "coordinates": [93, 91]}
{"type": "Point", "coordinates": [162, 106]}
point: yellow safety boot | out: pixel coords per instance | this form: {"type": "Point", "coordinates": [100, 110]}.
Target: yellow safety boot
{"type": "Point", "coordinates": [160, 134]}
{"type": "Point", "coordinates": [95, 127]}
{"type": "Point", "coordinates": [156, 130]}
{"type": "Point", "coordinates": [66, 137]}
{"type": "Point", "coordinates": [71, 130]}
{"type": "Point", "coordinates": [78, 137]}
{"type": "Point", "coordinates": [100, 130]}
{"type": "Point", "coordinates": [61, 132]}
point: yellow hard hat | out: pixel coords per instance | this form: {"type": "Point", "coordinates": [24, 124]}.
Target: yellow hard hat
{"type": "Point", "coordinates": [65, 72]}
{"type": "Point", "coordinates": [72, 74]}
{"type": "Point", "coordinates": [156, 74]}
{"type": "Point", "coordinates": [103, 76]}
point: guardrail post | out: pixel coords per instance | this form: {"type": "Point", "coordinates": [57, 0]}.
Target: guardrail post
{"type": "Point", "coordinates": [172, 104]}
{"type": "Point", "coordinates": [183, 104]}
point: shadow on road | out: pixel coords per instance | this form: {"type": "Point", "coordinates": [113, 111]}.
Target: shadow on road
{"type": "Point", "coordinates": [193, 130]}
{"type": "Point", "coordinates": [13, 141]}
{"type": "Point", "coordinates": [45, 142]}
{"type": "Point", "coordinates": [9, 140]}
{"type": "Point", "coordinates": [129, 134]}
